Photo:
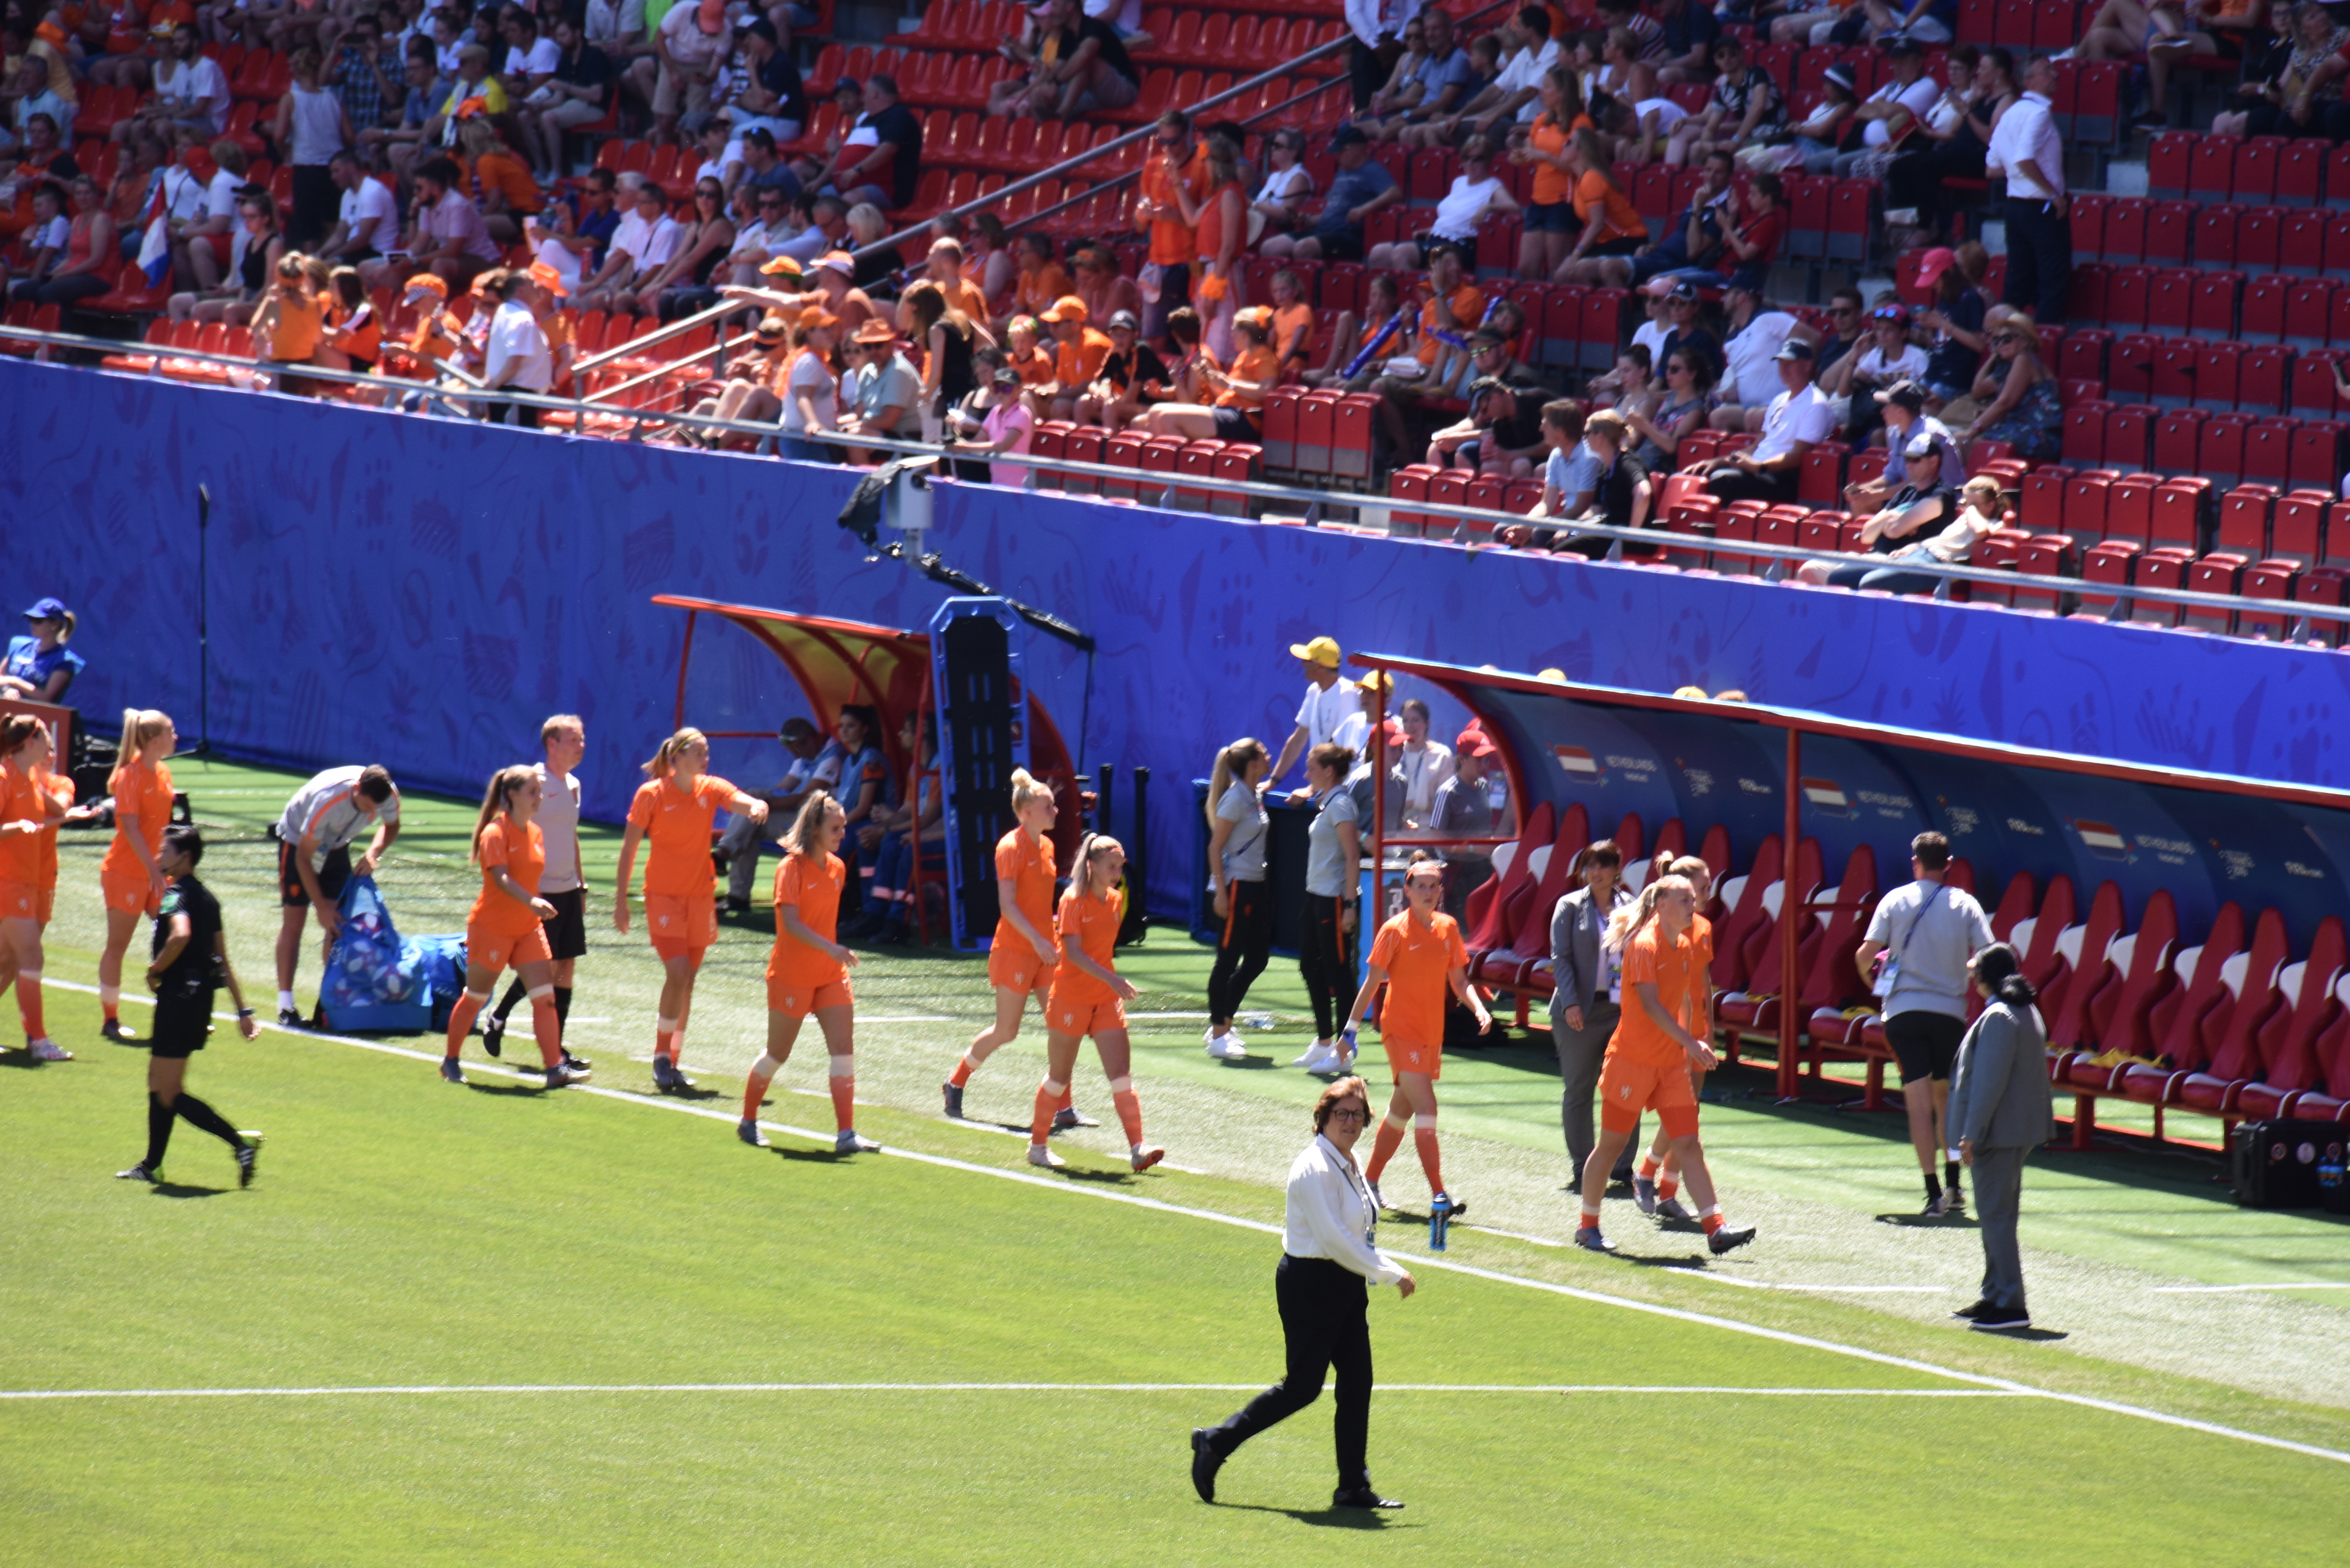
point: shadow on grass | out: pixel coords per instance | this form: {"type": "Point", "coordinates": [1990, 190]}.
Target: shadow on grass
{"type": "Point", "coordinates": [820, 1156]}
{"type": "Point", "coordinates": [1930, 1221]}
{"type": "Point", "coordinates": [182, 1190]}
{"type": "Point", "coordinates": [2037, 1336]}
{"type": "Point", "coordinates": [506, 1091]}
{"type": "Point", "coordinates": [23, 1059]}
{"type": "Point", "coordinates": [1111, 1178]}
{"type": "Point", "coordinates": [1327, 1518]}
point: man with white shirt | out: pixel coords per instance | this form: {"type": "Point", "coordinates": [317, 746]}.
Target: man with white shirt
{"type": "Point", "coordinates": [1330, 698]}
{"type": "Point", "coordinates": [817, 762]}
{"type": "Point", "coordinates": [1797, 420]}
{"type": "Point", "coordinates": [2026, 148]}
{"type": "Point", "coordinates": [518, 357]}
{"type": "Point", "coordinates": [191, 89]}
{"type": "Point", "coordinates": [1376, 44]}
{"type": "Point", "coordinates": [1896, 109]}
{"type": "Point", "coordinates": [760, 237]}
{"type": "Point", "coordinates": [530, 60]}
{"type": "Point", "coordinates": [645, 241]}
{"type": "Point", "coordinates": [370, 225]}
{"type": "Point", "coordinates": [1749, 356]}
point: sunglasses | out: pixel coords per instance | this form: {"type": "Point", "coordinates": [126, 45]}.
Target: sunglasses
{"type": "Point", "coordinates": [1676, 369]}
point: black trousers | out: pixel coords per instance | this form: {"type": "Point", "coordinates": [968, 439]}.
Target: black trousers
{"type": "Point", "coordinates": [1243, 949]}
{"type": "Point", "coordinates": [1916, 178]}
{"type": "Point", "coordinates": [2039, 260]}
{"type": "Point", "coordinates": [1327, 963]}
{"type": "Point", "coordinates": [1323, 1325]}
{"type": "Point", "coordinates": [1368, 69]}
{"type": "Point", "coordinates": [1737, 484]}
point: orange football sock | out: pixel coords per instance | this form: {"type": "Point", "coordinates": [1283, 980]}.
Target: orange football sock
{"type": "Point", "coordinates": [461, 1022]}
{"type": "Point", "coordinates": [1129, 1114]}
{"type": "Point", "coordinates": [1669, 1187]}
{"type": "Point", "coordinates": [546, 1025]}
{"type": "Point", "coordinates": [843, 1078]}
{"type": "Point", "coordinates": [1384, 1146]}
{"type": "Point", "coordinates": [1711, 1220]}
{"type": "Point", "coordinates": [963, 1069]}
{"type": "Point", "coordinates": [1649, 1168]}
{"type": "Point", "coordinates": [1048, 1100]}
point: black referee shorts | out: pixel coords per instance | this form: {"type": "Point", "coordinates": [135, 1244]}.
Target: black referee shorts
{"type": "Point", "coordinates": [181, 1024]}
{"type": "Point", "coordinates": [567, 931]}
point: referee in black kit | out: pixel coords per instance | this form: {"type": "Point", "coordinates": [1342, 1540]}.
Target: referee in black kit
{"type": "Point", "coordinates": [1328, 1263]}
{"type": "Point", "coordinates": [189, 963]}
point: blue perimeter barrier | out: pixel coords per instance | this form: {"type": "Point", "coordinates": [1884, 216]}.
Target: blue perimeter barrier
{"type": "Point", "coordinates": [422, 591]}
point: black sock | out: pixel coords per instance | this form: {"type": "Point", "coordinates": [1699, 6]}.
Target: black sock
{"type": "Point", "coordinates": [158, 1132]}
{"type": "Point", "coordinates": [507, 1003]}
{"type": "Point", "coordinates": [202, 1117]}
{"type": "Point", "coordinates": [562, 1008]}
{"type": "Point", "coordinates": [1951, 1174]}
{"type": "Point", "coordinates": [1933, 1187]}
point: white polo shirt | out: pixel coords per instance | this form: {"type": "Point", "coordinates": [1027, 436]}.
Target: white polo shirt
{"type": "Point", "coordinates": [1794, 416]}
{"type": "Point", "coordinates": [1325, 709]}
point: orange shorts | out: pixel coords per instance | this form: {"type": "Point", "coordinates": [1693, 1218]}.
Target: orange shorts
{"type": "Point", "coordinates": [1013, 965]}
{"type": "Point", "coordinates": [494, 950]}
{"type": "Point", "coordinates": [19, 902]}
{"type": "Point", "coordinates": [793, 998]}
{"type": "Point", "coordinates": [1627, 1087]}
{"type": "Point", "coordinates": [1408, 1056]}
{"type": "Point", "coordinates": [128, 891]}
{"type": "Point", "coordinates": [1082, 1018]}
{"type": "Point", "coordinates": [681, 926]}
{"type": "Point", "coordinates": [48, 904]}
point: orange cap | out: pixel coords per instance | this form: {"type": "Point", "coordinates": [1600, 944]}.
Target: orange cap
{"type": "Point", "coordinates": [1068, 308]}
{"type": "Point", "coordinates": [544, 275]}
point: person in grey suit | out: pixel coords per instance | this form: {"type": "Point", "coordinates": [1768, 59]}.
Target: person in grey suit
{"type": "Point", "coordinates": [1583, 1012]}
{"type": "Point", "coordinates": [2000, 1111]}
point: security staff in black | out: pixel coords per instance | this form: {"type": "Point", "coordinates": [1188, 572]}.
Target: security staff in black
{"type": "Point", "coordinates": [189, 963]}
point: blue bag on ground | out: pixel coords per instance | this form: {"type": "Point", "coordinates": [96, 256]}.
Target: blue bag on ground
{"type": "Point", "coordinates": [374, 981]}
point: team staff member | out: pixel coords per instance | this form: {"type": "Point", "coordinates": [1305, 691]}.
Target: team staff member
{"type": "Point", "coordinates": [817, 762]}
{"type": "Point", "coordinates": [1927, 932]}
{"type": "Point", "coordinates": [1088, 993]}
{"type": "Point", "coordinates": [1328, 1259]}
{"type": "Point", "coordinates": [507, 924]}
{"type": "Point", "coordinates": [26, 812]}
{"type": "Point", "coordinates": [1326, 956]}
{"type": "Point", "coordinates": [673, 808]}
{"type": "Point", "coordinates": [189, 962]}
{"type": "Point", "coordinates": [2000, 1112]}
{"type": "Point", "coordinates": [130, 879]}
{"type": "Point", "coordinates": [1418, 956]}
{"type": "Point", "coordinates": [563, 884]}
{"type": "Point", "coordinates": [1647, 1061]}
{"type": "Point", "coordinates": [808, 971]}
{"type": "Point", "coordinates": [1584, 1002]}
{"type": "Point", "coordinates": [1656, 1185]}
{"type": "Point", "coordinates": [1236, 844]}
{"type": "Point", "coordinates": [1026, 954]}
{"type": "Point", "coordinates": [313, 860]}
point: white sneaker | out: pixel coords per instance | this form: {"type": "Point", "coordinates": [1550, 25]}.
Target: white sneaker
{"type": "Point", "coordinates": [47, 1050]}
{"type": "Point", "coordinates": [1239, 1046]}
{"type": "Point", "coordinates": [1039, 1154]}
{"type": "Point", "coordinates": [1318, 1055]}
{"type": "Point", "coordinates": [1228, 1048]}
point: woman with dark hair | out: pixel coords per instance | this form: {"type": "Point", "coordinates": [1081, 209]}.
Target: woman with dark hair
{"type": "Point", "coordinates": [2000, 1111]}
{"type": "Point", "coordinates": [1328, 1260]}
{"type": "Point", "coordinates": [1326, 956]}
{"type": "Point", "coordinates": [1236, 866]}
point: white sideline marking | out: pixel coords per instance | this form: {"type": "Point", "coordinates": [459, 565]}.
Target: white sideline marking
{"type": "Point", "coordinates": [1573, 1292]}
{"type": "Point", "coordinates": [1556, 1388]}
{"type": "Point", "coordinates": [2304, 1285]}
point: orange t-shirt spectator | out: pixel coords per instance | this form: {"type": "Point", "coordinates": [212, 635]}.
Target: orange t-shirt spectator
{"type": "Point", "coordinates": [1173, 241]}
{"type": "Point", "coordinates": [1622, 220]}
{"type": "Point", "coordinates": [1078, 359]}
{"type": "Point", "coordinates": [1465, 300]}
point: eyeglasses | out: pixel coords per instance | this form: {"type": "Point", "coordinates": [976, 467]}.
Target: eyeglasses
{"type": "Point", "coordinates": [1348, 1113]}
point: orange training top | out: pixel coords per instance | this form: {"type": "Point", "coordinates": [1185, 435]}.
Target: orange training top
{"type": "Point", "coordinates": [523, 855]}
{"type": "Point", "coordinates": [1670, 967]}
{"type": "Point", "coordinates": [1699, 938]}
{"type": "Point", "coordinates": [1417, 959]}
{"type": "Point", "coordinates": [1090, 925]}
{"type": "Point", "coordinates": [1029, 869]}
{"type": "Point", "coordinates": [1172, 242]}
{"type": "Point", "coordinates": [1076, 363]}
{"type": "Point", "coordinates": [1623, 220]}
{"type": "Point", "coordinates": [676, 826]}
{"type": "Point", "coordinates": [814, 891]}
{"type": "Point", "coordinates": [20, 801]}
{"type": "Point", "coordinates": [63, 790]}
{"type": "Point", "coordinates": [146, 793]}
{"type": "Point", "coordinates": [1209, 237]}
{"type": "Point", "coordinates": [1257, 365]}
{"type": "Point", "coordinates": [1033, 293]}
{"type": "Point", "coordinates": [1552, 183]}
{"type": "Point", "coordinates": [1293, 332]}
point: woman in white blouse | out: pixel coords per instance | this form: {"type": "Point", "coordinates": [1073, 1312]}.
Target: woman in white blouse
{"type": "Point", "coordinates": [1328, 1263]}
{"type": "Point", "coordinates": [1278, 201]}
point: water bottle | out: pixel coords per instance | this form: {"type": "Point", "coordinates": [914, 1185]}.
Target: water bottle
{"type": "Point", "coordinates": [1256, 1020]}
{"type": "Point", "coordinates": [1439, 1218]}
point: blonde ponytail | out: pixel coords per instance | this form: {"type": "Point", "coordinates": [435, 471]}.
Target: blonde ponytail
{"type": "Point", "coordinates": [1026, 787]}
{"type": "Point", "coordinates": [141, 727]}
{"type": "Point", "coordinates": [801, 835]}
{"type": "Point", "coordinates": [663, 763]}
{"type": "Point", "coordinates": [498, 797]}
{"type": "Point", "coordinates": [1232, 763]}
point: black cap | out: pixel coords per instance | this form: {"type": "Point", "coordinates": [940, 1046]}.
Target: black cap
{"type": "Point", "coordinates": [1350, 136]}
{"type": "Point", "coordinates": [1909, 394]}
{"type": "Point", "coordinates": [1904, 45]}
{"type": "Point", "coordinates": [1794, 349]}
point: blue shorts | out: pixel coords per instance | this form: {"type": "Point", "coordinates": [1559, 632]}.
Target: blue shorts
{"type": "Point", "coordinates": [1550, 218]}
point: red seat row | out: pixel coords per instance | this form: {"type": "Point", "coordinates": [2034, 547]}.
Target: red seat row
{"type": "Point", "coordinates": [1170, 457]}
{"type": "Point", "coordinates": [2295, 171]}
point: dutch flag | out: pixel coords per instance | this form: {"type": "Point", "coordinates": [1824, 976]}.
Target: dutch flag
{"type": "Point", "coordinates": [1825, 794]}
{"type": "Point", "coordinates": [2101, 839]}
{"type": "Point", "coordinates": [1579, 764]}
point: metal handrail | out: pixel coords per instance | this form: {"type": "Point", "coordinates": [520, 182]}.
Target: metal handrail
{"type": "Point", "coordinates": [1311, 503]}
{"type": "Point", "coordinates": [683, 324]}
{"type": "Point", "coordinates": [1069, 165]}
{"type": "Point", "coordinates": [719, 347]}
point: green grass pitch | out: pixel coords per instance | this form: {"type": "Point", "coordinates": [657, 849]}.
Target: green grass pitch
{"type": "Point", "coordinates": [554, 1267]}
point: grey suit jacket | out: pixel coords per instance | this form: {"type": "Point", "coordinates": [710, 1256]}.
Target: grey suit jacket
{"type": "Point", "coordinates": [1999, 1091]}
{"type": "Point", "coordinates": [1576, 924]}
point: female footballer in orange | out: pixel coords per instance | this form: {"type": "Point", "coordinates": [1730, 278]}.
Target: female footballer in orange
{"type": "Point", "coordinates": [129, 878]}
{"type": "Point", "coordinates": [1648, 1060]}
{"type": "Point", "coordinates": [672, 809]}
{"type": "Point", "coordinates": [1418, 956]}
{"type": "Point", "coordinates": [1657, 1185]}
{"type": "Point", "coordinates": [1087, 997]}
{"type": "Point", "coordinates": [26, 812]}
{"type": "Point", "coordinates": [808, 971]}
{"type": "Point", "coordinates": [1022, 959]}
{"type": "Point", "coordinates": [62, 789]}
{"type": "Point", "coordinates": [503, 928]}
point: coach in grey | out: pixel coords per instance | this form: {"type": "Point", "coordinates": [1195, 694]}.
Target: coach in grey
{"type": "Point", "coordinates": [1581, 1012]}
{"type": "Point", "coordinates": [1927, 931]}
{"type": "Point", "coordinates": [2000, 1111]}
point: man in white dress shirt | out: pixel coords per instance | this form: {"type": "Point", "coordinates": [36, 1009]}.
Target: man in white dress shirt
{"type": "Point", "coordinates": [2027, 150]}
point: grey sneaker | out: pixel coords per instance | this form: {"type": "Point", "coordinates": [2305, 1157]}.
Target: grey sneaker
{"type": "Point", "coordinates": [449, 1072]}
{"type": "Point", "coordinates": [1069, 1116]}
{"type": "Point", "coordinates": [564, 1072]}
{"type": "Point", "coordinates": [848, 1142]}
{"type": "Point", "coordinates": [1644, 1193]}
{"type": "Point", "coordinates": [139, 1173]}
{"type": "Point", "coordinates": [953, 1095]}
{"type": "Point", "coordinates": [747, 1129]}
{"type": "Point", "coordinates": [1671, 1209]}
{"type": "Point", "coordinates": [1588, 1238]}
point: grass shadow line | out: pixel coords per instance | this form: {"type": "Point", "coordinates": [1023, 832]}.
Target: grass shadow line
{"type": "Point", "coordinates": [1327, 1518]}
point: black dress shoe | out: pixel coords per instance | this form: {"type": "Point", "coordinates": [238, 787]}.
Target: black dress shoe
{"type": "Point", "coordinates": [1205, 1463]}
{"type": "Point", "coordinates": [1975, 1310]}
{"type": "Point", "coordinates": [1361, 1497]}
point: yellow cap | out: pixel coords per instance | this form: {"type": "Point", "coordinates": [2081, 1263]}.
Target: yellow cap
{"type": "Point", "coordinates": [1321, 650]}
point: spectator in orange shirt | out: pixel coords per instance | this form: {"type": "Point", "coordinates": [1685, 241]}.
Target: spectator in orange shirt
{"type": "Point", "coordinates": [944, 266]}
{"type": "Point", "coordinates": [1349, 333]}
{"type": "Point", "coordinates": [1293, 321]}
{"type": "Point", "coordinates": [1186, 381]}
{"type": "Point", "coordinates": [1096, 280]}
{"type": "Point", "coordinates": [1039, 280]}
{"type": "Point", "coordinates": [503, 187]}
{"type": "Point", "coordinates": [1454, 307]}
{"type": "Point", "coordinates": [1180, 160]}
{"type": "Point", "coordinates": [1078, 359]}
{"type": "Point", "coordinates": [1026, 355]}
{"type": "Point", "coordinates": [1240, 392]}
{"type": "Point", "coordinates": [353, 340]}
{"type": "Point", "coordinates": [1612, 227]}
{"type": "Point", "coordinates": [1219, 220]}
